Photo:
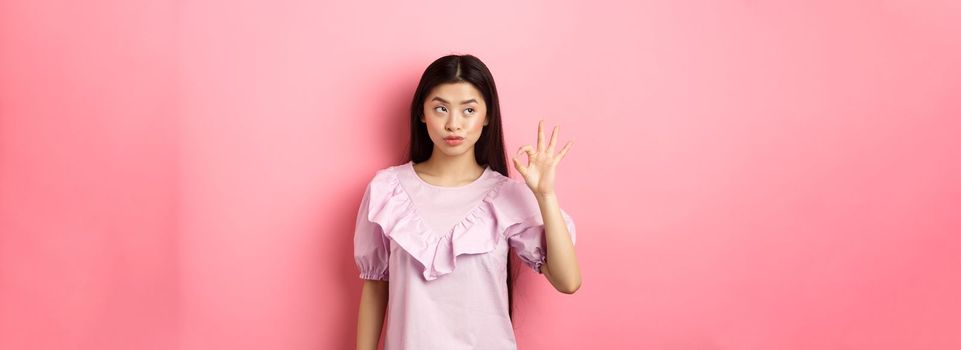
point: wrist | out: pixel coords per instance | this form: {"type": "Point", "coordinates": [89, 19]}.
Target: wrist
{"type": "Point", "coordinates": [545, 195]}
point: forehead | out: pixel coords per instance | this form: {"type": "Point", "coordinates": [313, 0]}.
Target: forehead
{"type": "Point", "coordinates": [456, 92]}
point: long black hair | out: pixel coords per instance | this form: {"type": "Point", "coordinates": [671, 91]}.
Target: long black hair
{"type": "Point", "coordinates": [489, 149]}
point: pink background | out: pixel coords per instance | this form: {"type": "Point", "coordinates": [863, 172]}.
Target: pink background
{"type": "Point", "coordinates": [746, 174]}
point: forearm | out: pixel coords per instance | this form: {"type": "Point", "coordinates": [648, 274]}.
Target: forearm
{"type": "Point", "coordinates": [370, 320]}
{"type": "Point", "coordinates": [562, 270]}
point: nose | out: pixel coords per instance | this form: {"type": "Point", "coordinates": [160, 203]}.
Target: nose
{"type": "Point", "coordinates": [453, 123]}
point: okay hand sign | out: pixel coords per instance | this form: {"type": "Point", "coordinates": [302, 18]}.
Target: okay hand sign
{"type": "Point", "coordinates": [539, 173]}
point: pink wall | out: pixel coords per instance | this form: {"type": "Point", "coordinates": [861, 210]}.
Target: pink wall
{"type": "Point", "coordinates": [747, 175]}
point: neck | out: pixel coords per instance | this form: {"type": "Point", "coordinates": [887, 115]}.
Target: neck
{"type": "Point", "coordinates": [451, 168]}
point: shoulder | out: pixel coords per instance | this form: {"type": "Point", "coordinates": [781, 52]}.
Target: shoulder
{"type": "Point", "coordinates": [382, 186]}
{"type": "Point", "coordinates": [382, 183]}
{"type": "Point", "coordinates": [515, 189]}
{"type": "Point", "coordinates": [515, 199]}
{"type": "Point", "coordinates": [510, 188]}
{"type": "Point", "coordinates": [386, 174]}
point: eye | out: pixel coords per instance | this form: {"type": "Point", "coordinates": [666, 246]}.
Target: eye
{"type": "Point", "coordinates": [471, 110]}
{"type": "Point", "coordinates": [443, 109]}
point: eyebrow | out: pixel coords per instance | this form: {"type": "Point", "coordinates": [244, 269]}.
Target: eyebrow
{"type": "Point", "coordinates": [445, 101]}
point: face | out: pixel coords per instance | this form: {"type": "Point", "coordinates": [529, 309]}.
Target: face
{"type": "Point", "coordinates": [454, 110]}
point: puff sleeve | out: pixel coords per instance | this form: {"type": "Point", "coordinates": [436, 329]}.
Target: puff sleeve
{"type": "Point", "coordinates": [527, 235]}
{"type": "Point", "coordinates": [371, 246]}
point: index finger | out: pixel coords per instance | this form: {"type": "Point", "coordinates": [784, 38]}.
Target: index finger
{"type": "Point", "coordinates": [540, 135]}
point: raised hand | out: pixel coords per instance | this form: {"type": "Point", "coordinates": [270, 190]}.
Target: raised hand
{"type": "Point", "coordinates": [539, 173]}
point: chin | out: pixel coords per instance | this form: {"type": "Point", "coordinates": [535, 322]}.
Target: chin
{"type": "Point", "coordinates": [451, 152]}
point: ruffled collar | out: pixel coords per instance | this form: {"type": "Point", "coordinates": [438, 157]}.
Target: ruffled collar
{"type": "Point", "coordinates": [479, 232]}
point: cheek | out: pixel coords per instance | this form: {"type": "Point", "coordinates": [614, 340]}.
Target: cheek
{"type": "Point", "coordinates": [480, 125]}
{"type": "Point", "coordinates": [431, 122]}
{"type": "Point", "coordinates": [479, 122]}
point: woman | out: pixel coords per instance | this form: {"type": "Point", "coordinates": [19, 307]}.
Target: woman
{"type": "Point", "coordinates": [433, 235]}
